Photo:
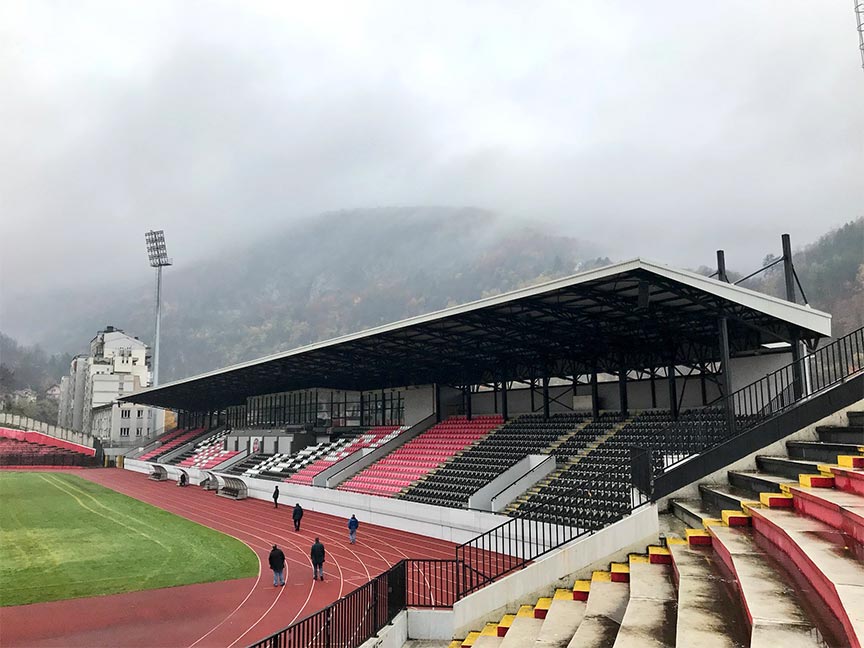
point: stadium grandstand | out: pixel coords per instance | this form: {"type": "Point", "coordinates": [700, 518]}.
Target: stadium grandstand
{"type": "Point", "coordinates": [610, 450]}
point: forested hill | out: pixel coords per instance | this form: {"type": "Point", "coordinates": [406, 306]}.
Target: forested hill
{"type": "Point", "coordinates": [347, 271]}
{"type": "Point", "coordinates": [334, 274]}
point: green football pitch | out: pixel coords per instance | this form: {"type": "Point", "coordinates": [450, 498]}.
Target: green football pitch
{"type": "Point", "coordinates": [65, 537]}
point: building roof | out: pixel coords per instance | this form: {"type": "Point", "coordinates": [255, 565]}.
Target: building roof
{"type": "Point", "coordinates": [635, 315]}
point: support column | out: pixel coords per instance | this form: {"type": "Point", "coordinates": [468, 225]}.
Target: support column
{"type": "Point", "coordinates": [595, 395]}
{"type": "Point", "coordinates": [504, 411]}
{"type": "Point", "coordinates": [789, 276]}
{"type": "Point", "coordinates": [437, 388]}
{"type": "Point", "coordinates": [531, 384]}
{"type": "Point", "coordinates": [362, 411]}
{"type": "Point", "coordinates": [726, 375]}
{"type": "Point", "coordinates": [622, 390]}
{"type": "Point", "coordinates": [545, 397]}
{"type": "Point", "coordinates": [673, 390]}
{"type": "Point", "coordinates": [653, 389]}
{"type": "Point", "coordinates": [495, 397]}
{"type": "Point", "coordinates": [468, 413]}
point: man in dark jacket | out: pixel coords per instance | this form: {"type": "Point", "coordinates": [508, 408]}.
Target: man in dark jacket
{"type": "Point", "coordinates": [297, 516]}
{"type": "Point", "coordinates": [317, 554]}
{"type": "Point", "coordinates": [353, 523]}
{"type": "Point", "coordinates": [277, 564]}
{"type": "Point", "coordinates": [276, 497]}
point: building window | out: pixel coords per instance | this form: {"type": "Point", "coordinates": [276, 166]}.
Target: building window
{"type": "Point", "coordinates": [140, 413]}
{"type": "Point", "coordinates": [124, 431]}
{"type": "Point", "coordinates": [138, 431]}
{"type": "Point", "coordinates": [125, 414]}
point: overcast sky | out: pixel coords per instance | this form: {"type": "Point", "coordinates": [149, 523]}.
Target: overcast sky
{"type": "Point", "coordinates": [661, 129]}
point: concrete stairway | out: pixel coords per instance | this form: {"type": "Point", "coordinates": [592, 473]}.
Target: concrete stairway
{"type": "Point", "coordinates": [775, 557]}
{"type": "Point", "coordinates": [791, 534]}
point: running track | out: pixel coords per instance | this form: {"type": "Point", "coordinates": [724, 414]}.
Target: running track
{"type": "Point", "coordinates": [226, 614]}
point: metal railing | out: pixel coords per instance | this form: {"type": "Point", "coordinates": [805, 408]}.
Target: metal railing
{"type": "Point", "coordinates": [771, 395]}
{"type": "Point", "coordinates": [350, 620]}
{"type": "Point", "coordinates": [564, 517]}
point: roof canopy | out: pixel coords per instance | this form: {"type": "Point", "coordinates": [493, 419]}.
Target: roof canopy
{"type": "Point", "coordinates": [634, 315]}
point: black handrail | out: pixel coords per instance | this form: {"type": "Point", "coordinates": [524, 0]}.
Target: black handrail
{"type": "Point", "coordinates": [779, 391]}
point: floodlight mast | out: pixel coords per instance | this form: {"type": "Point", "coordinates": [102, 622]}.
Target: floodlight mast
{"type": "Point", "coordinates": [157, 254]}
{"type": "Point", "coordinates": [859, 16]}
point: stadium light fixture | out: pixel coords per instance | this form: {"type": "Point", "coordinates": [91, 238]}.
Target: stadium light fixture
{"type": "Point", "coordinates": [157, 253]}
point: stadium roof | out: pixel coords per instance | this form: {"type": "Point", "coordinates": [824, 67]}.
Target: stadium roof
{"type": "Point", "coordinates": [633, 315]}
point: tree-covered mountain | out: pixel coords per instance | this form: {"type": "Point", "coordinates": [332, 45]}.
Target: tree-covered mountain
{"type": "Point", "coordinates": [350, 270]}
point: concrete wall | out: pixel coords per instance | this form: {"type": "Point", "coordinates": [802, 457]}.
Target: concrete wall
{"type": "Point", "coordinates": [514, 481]}
{"type": "Point", "coordinates": [58, 432]}
{"type": "Point", "coordinates": [391, 636]}
{"type": "Point", "coordinates": [455, 525]}
{"type": "Point", "coordinates": [559, 569]}
{"type": "Point", "coordinates": [747, 370]}
{"type": "Point", "coordinates": [419, 402]}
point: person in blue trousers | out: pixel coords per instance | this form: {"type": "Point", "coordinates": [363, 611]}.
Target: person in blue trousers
{"type": "Point", "coordinates": [277, 564]}
{"type": "Point", "coordinates": [353, 523]}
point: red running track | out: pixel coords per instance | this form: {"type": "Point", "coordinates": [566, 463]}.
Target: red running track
{"type": "Point", "coordinates": [229, 613]}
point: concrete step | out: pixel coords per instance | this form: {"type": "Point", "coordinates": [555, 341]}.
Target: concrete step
{"type": "Point", "coordinates": [824, 556]}
{"type": "Point", "coordinates": [524, 630]}
{"type": "Point", "coordinates": [841, 434]}
{"type": "Point", "coordinates": [561, 622]}
{"type": "Point", "coordinates": [850, 480]}
{"type": "Point", "coordinates": [603, 614]}
{"type": "Point", "coordinates": [770, 602]}
{"type": "Point", "coordinates": [709, 613]}
{"type": "Point", "coordinates": [856, 418]}
{"type": "Point", "coordinates": [716, 497]}
{"type": "Point", "coordinates": [820, 451]}
{"type": "Point", "coordinates": [651, 611]}
{"type": "Point", "coordinates": [690, 511]}
{"type": "Point", "coordinates": [487, 641]}
{"type": "Point", "coordinates": [757, 482]}
{"type": "Point", "coordinates": [837, 508]}
{"type": "Point", "coordinates": [786, 467]}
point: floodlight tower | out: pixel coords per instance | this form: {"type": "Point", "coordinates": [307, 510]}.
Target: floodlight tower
{"type": "Point", "coordinates": [158, 255]}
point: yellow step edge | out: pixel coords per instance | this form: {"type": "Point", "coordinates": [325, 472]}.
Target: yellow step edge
{"type": "Point", "coordinates": [601, 577]}
{"type": "Point", "coordinates": [582, 586]}
{"type": "Point", "coordinates": [808, 479]}
{"type": "Point", "coordinates": [638, 558]}
{"type": "Point", "coordinates": [696, 532]}
{"type": "Point", "coordinates": [507, 620]}
{"type": "Point", "coordinates": [525, 611]}
{"type": "Point", "coordinates": [654, 550]}
{"type": "Point", "coordinates": [620, 568]}
{"type": "Point", "coordinates": [765, 498]}
{"type": "Point", "coordinates": [544, 603]}
{"type": "Point", "coordinates": [709, 522]}
{"type": "Point", "coordinates": [827, 470]}
{"type": "Point", "coordinates": [748, 504]}
{"type": "Point", "coordinates": [728, 514]}
{"type": "Point", "coordinates": [456, 643]}
{"type": "Point", "coordinates": [489, 630]}
{"type": "Point", "coordinates": [470, 639]}
{"type": "Point", "coordinates": [563, 595]}
{"type": "Point", "coordinates": [676, 541]}
{"type": "Point", "coordinates": [847, 461]}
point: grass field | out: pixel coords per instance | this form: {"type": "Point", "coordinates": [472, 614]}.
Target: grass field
{"type": "Point", "coordinates": [65, 537]}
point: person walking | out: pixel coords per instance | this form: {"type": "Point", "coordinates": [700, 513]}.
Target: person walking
{"type": "Point", "coordinates": [297, 515]}
{"type": "Point", "coordinates": [277, 564]}
{"type": "Point", "coordinates": [276, 497]}
{"type": "Point", "coordinates": [353, 523]}
{"type": "Point", "coordinates": [317, 554]}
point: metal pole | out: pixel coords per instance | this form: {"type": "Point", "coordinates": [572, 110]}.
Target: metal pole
{"type": "Point", "coordinates": [721, 266]}
{"type": "Point", "coordinates": [726, 375]}
{"type": "Point", "coordinates": [158, 325]}
{"type": "Point", "coordinates": [595, 395]}
{"type": "Point", "coordinates": [789, 276]}
{"type": "Point", "coordinates": [622, 390]}
{"type": "Point", "coordinates": [504, 411]}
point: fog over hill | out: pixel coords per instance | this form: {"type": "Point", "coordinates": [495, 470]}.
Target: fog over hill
{"type": "Point", "coordinates": [333, 274]}
{"type": "Point", "coordinates": [350, 270]}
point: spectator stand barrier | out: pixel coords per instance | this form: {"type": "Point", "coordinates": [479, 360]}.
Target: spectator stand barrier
{"type": "Point", "coordinates": [158, 473]}
{"type": "Point", "coordinates": [233, 488]}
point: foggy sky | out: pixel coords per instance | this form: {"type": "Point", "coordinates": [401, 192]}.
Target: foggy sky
{"type": "Point", "coordinates": [663, 129]}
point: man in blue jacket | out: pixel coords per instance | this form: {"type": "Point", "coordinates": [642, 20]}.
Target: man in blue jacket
{"type": "Point", "coordinates": [353, 523]}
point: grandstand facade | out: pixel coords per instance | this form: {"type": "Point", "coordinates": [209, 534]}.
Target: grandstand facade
{"type": "Point", "coordinates": [552, 422]}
